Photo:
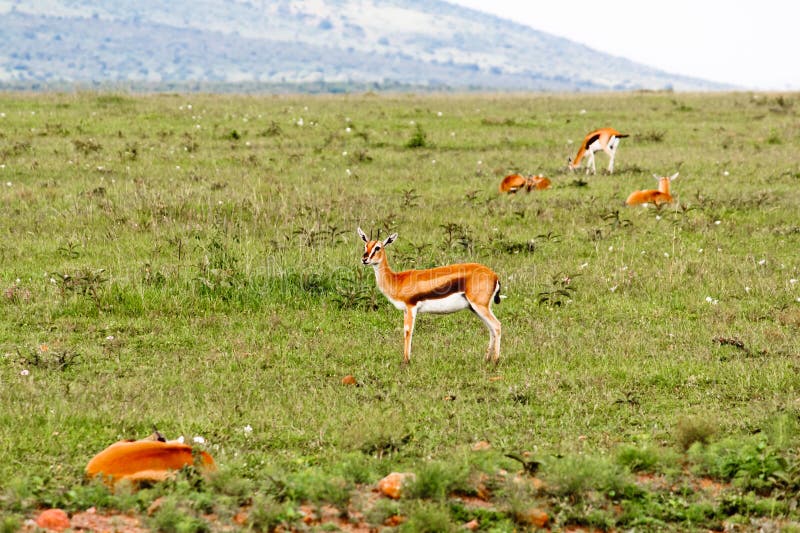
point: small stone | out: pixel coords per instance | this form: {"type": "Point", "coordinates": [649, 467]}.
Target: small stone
{"type": "Point", "coordinates": [481, 446]}
{"type": "Point", "coordinates": [392, 485]}
{"type": "Point", "coordinates": [535, 517]}
{"type": "Point", "coordinates": [54, 519]}
{"type": "Point", "coordinates": [472, 525]}
{"type": "Point", "coordinates": [349, 380]}
{"type": "Point", "coordinates": [155, 506]}
{"type": "Point", "coordinates": [394, 520]}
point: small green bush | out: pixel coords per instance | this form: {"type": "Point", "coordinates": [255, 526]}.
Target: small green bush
{"type": "Point", "coordinates": [574, 476]}
{"type": "Point", "coordinates": [750, 463]}
{"type": "Point", "coordinates": [427, 517]}
{"type": "Point", "coordinates": [419, 139]}
{"type": "Point", "coordinates": [435, 480]}
{"type": "Point", "coordinates": [637, 459]}
{"type": "Point", "coordinates": [689, 430]}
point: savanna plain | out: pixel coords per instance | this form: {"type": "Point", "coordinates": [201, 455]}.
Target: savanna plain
{"type": "Point", "coordinates": [191, 262]}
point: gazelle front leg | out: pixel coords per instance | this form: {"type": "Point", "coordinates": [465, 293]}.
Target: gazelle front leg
{"type": "Point", "coordinates": [409, 317]}
{"type": "Point", "coordinates": [493, 325]}
{"type": "Point", "coordinates": [590, 163]}
{"type": "Point", "coordinates": [611, 150]}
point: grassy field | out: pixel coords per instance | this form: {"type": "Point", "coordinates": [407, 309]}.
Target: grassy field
{"type": "Point", "coordinates": [191, 262]}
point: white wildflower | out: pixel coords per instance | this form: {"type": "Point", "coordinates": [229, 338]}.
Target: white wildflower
{"type": "Point", "coordinates": [199, 440]}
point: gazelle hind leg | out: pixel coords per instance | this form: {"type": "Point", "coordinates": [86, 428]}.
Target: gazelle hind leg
{"type": "Point", "coordinates": [488, 318]}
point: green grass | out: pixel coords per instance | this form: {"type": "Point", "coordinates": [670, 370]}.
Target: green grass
{"type": "Point", "coordinates": [191, 261]}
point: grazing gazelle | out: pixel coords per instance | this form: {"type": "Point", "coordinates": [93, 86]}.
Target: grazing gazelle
{"type": "Point", "coordinates": [652, 196]}
{"type": "Point", "coordinates": [515, 182]}
{"type": "Point", "coordinates": [442, 290]}
{"type": "Point", "coordinates": [605, 139]}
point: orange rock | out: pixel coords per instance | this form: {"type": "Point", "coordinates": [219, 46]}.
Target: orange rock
{"type": "Point", "coordinates": [394, 520]}
{"type": "Point", "coordinates": [146, 460]}
{"type": "Point", "coordinates": [495, 378]}
{"type": "Point", "coordinates": [472, 525]}
{"type": "Point", "coordinates": [392, 485]}
{"type": "Point", "coordinates": [481, 446]}
{"type": "Point", "coordinates": [155, 506]}
{"type": "Point", "coordinates": [54, 519]}
{"type": "Point", "coordinates": [535, 517]}
{"type": "Point", "coordinates": [349, 380]}
{"type": "Point", "coordinates": [240, 518]}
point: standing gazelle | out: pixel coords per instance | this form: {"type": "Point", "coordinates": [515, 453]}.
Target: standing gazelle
{"type": "Point", "coordinates": [605, 139]}
{"type": "Point", "coordinates": [652, 196]}
{"type": "Point", "coordinates": [441, 290]}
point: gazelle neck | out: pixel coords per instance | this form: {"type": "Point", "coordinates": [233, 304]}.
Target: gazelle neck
{"type": "Point", "coordinates": [383, 272]}
{"type": "Point", "coordinates": [663, 185]}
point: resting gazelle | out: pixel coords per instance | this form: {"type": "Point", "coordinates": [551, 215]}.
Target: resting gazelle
{"type": "Point", "coordinates": [605, 139]}
{"type": "Point", "coordinates": [515, 182]}
{"type": "Point", "coordinates": [443, 290]}
{"type": "Point", "coordinates": [652, 196]}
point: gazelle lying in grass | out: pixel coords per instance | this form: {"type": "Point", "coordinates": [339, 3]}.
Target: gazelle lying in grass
{"type": "Point", "coordinates": [515, 182]}
{"type": "Point", "coordinates": [605, 139]}
{"type": "Point", "coordinates": [441, 290]}
{"type": "Point", "coordinates": [653, 196]}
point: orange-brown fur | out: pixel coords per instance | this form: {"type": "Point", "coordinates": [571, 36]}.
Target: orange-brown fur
{"type": "Point", "coordinates": [515, 182]}
{"type": "Point", "coordinates": [410, 290]}
{"type": "Point", "coordinates": [653, 196]}
{"type": "Point", "coordinates": [144, 460]}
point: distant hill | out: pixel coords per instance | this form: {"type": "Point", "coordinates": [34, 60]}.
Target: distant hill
{"type": "Point", "coordinates": [313, 45]}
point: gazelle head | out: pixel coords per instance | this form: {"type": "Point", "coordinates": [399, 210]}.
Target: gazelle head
{"type": "Point", "coordinates": [373, 250]}
{"type": "Point", "coordinates": [570, 166]}
{"type": "Point", "coordinates": [670, 178]}
{"type": "Point", "coordinates": [664, 181]}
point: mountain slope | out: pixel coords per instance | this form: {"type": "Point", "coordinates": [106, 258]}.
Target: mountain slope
{"type": "Point", "coordinates": [350, 42]}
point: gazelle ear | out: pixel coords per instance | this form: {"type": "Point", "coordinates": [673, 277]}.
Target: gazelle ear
{"type": "Point", "coordinates": [363, 235]}
{"type": "Point", "coordinates": [674, 176]}
{"type": "Point", "coordinates": [390, 239]}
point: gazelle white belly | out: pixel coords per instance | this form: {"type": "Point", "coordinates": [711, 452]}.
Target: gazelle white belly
{"type": "Point", "coordinates": [448, 304]}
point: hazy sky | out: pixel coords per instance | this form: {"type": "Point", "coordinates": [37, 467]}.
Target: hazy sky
{"type": "Point", "coordinates": [755, 45]}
